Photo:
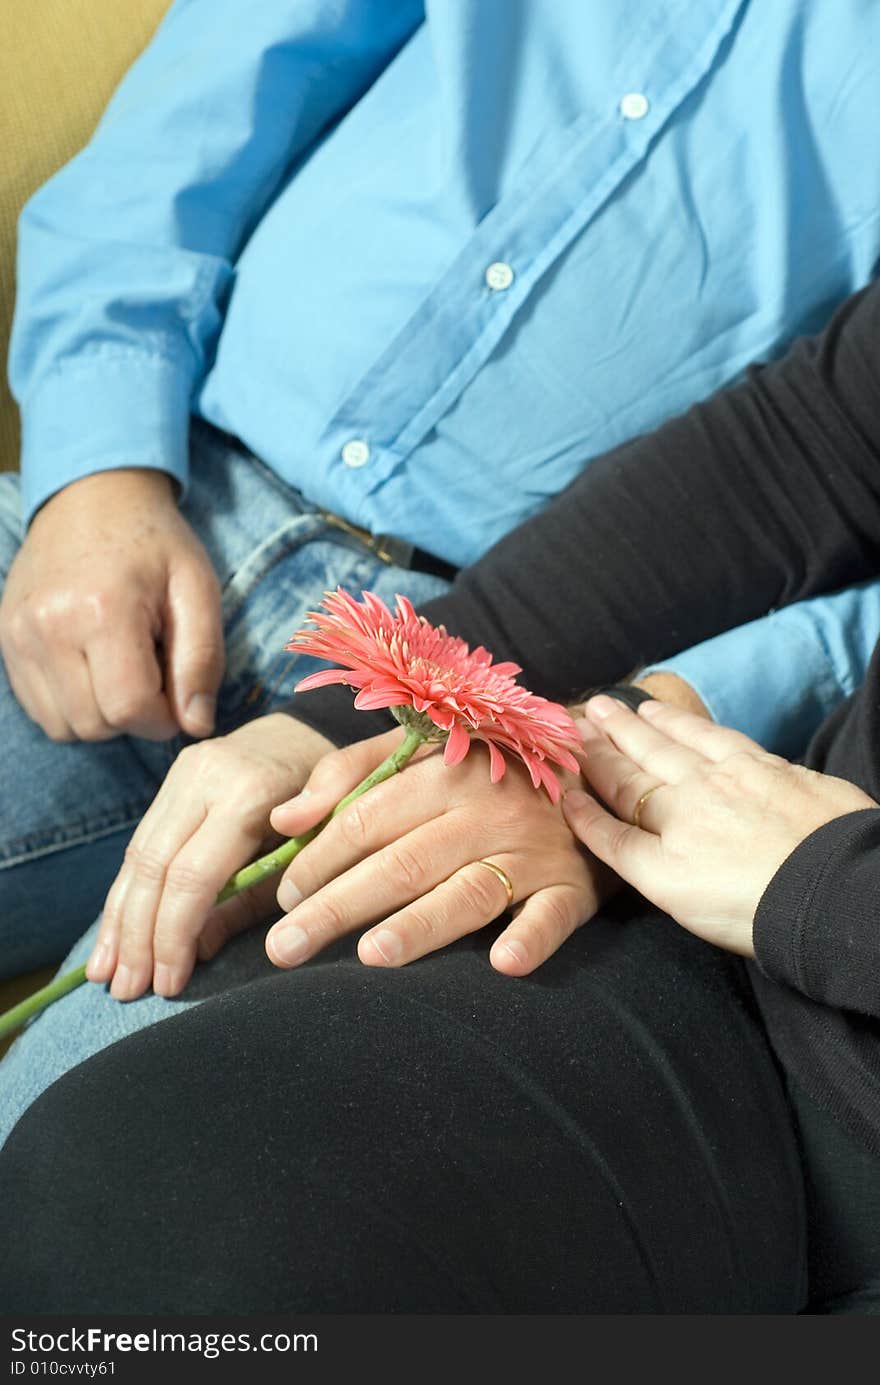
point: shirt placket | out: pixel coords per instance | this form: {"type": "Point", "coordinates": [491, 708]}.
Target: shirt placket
{"type": "Point", "coordinates": [565, 184]}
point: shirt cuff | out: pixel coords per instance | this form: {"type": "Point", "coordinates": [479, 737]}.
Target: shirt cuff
{"type": "Point", "coordinates": [102, 411]}
{"type": "Point", "coordinates": [771, 679]}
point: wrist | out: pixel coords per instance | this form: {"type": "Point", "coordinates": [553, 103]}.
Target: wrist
{"type": "Point", "coordinates": [627, 691]}
{"type": "Point", "coordinates": [628, 694]}
{"type": "Point", "coordinates": [137, 482]}
{"type": "Point", "coordinates": [287, 734]}
{"type": "Point", "coordinates": [668, 687]}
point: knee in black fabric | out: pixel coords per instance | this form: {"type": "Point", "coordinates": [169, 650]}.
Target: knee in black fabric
{"type": "Point", "coordinates": [434, 1139]}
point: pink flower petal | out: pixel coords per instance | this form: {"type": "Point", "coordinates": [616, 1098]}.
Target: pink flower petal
{"type": "Point", "coordinates": [406, 609]}
{"type": "Point", "coordinates": [550, 782]}
{"type": "Point", "coordinates": [565, 758]}
{"type": "Point", "coordinates": [497, 763]}
{"type": "Point", "coordinates": [369, 700]}
{"type": "Point", "coordinates": [322, 679]}
{"type": "Point", "coordinates": [399, 658]}
{"type": "Point", "coordinates": [457, 746]}
{"type": "Point", "coordinates": [442, 717]}
{"type": "Point", "coordinates": [533, 766]}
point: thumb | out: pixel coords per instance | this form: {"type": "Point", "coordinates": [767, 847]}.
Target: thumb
{"type": "Point", "coordinates": [194, 651]}
{"type": "Point", "coordinates": [237, 915]}
{"type": "Point", "coordinates": [335, 775]}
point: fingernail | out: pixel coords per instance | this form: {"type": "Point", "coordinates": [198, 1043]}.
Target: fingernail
{"type": "Point", "coordinates": [517, 952]}
{"type": "Point", "coordinates": [200, 711]}
{"type": "Point", "coordinates": [574, 799]}
{"type": "Point", "coordinates": [163, 980]}
{"type": "Point", "coordinates": [123, 983]}
{"type": "Point", "coordinates": [602, 706]}
{"type": "Point", "coordinates": [650, 708]}
{"type": "Point", "coordinates": [292, 802]}
{"type": "Point", "coordinates": [99, 959]}
{"type": "Point", "coordinates": [289, 944]}
{"type": "Point", "coordinates": [288, 895]}
{"type": "Point", "coordinates": [387, 944]}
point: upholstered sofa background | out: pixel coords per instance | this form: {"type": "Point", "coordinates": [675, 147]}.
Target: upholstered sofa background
{"type": "Point", "coordinates": [60, 61]}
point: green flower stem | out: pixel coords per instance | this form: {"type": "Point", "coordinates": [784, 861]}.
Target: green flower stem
{"type": "Point", "coordinates": [12, 1019]}
{"type": "Point", "coordinates": [284, 854]}
{"type": "Point", "coordinates": [243, 880]}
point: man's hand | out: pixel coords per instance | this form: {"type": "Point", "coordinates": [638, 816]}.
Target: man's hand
{"type": "Point", "coordinates": [405, 855]}
{"type": "Point", "coordinates": [110, 618]}
{"type": "Point", "coordinates": [400, 865]}
{"type": "Point", "coordinates": [210, 817]}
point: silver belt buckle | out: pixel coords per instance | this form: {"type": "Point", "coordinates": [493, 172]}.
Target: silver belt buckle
{"type": "Point", "coordinates": [395, 552]}
{"type": "Point", "coordinates": [392, 550]}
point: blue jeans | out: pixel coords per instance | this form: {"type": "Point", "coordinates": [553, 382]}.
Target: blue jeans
{"type": "Point", "coordinates": [67, 811]}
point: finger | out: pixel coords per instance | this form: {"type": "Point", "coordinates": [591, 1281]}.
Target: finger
{"type": "Point", "coordinates": [246, 910]}
{"type": "Point", "coordinates": [127, 682]}
{"type": "Point", "coordinates": [129, 937]}
{"type": "Point", "coordinates": [630, 851]}
{"type": "Point", "coordinates": [405, 870]}
{"type": "Point", "coordinates": [28, 683]}
{"type": "Point", "coordinates": [617, 779]}
{"type": "Point", "coordinates": [644, 743]}
{"type": "Point", "coordinates": [371, 822]}
{"type": "Point", "coordinates": [193, 879]}
{"type": "Point", "coordinates": [194, 650]}
{"type": "Point", "coordinates": [706, 737]}
{"type": "Point", "coordinates": [129, 916]}
{"type": "Point", "coordinates": [70, 683]}
{"type": "Point", "coordinates": [168, 820]}
{"type": "Point", "coordinates": [540, 927]}
{"type": "Point", "coordinates": [469, 900]}
{"type": "Point", "coordinates": [105, 949]}
{"type": "Point", "coordinates": [335, 775]}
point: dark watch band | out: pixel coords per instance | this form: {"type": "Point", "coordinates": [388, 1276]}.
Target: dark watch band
{"type": "Point", "coordinates": [624, 692]}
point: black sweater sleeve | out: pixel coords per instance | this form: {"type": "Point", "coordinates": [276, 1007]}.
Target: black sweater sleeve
{"type": "Point", "coordinates": [816, 927]}
{"type": "Point", "coordinates": [816, 932]}
{"type": "Point", "coordinates": [767, 493]}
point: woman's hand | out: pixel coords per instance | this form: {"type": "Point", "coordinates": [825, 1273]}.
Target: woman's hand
{"type": "Point", "coordinates": [404, 857]}
{"type": "Point", "coordinates": [209, 818]}
{"type": "Point", "coordinates": [718, 814]}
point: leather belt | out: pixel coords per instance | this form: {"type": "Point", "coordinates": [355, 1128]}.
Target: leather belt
{"type": "Point", "coordinates": [396, 552]}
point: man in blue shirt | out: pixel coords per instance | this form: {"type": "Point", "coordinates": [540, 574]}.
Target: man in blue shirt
{"type": "Point", "coordinates": [424, 261]}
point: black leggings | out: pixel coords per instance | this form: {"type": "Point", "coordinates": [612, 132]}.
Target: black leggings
{"type": "Point", "coordinates": [610, 1135]}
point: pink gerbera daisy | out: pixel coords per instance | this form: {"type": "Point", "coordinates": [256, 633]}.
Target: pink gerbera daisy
{"type": "Point", "coordinates": [433, 680]}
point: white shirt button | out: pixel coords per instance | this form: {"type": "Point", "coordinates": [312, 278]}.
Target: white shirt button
{"type": "Point", "coordinates": [499, 276]}
{"type": "Point", "coordinates": [355, 452]}
{"type": "Point", "coordinates": [634, 105]}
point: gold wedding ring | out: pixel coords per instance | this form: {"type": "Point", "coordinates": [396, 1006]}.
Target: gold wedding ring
{"type": "Point", "coordinates": [502, 876]}
{"type": "Point", "coordinates": [637, 810]}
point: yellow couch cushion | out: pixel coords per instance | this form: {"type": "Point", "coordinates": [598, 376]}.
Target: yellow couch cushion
{"type": "Point", "coordinates": [60, 61]}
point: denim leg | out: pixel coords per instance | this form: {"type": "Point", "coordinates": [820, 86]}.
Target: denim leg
{"type": "Point", "coordinates": [276, 556]}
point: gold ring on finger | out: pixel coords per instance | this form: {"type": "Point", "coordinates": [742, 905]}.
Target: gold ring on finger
{"type": "Point", "coordinates": [502, 876]}
{"type": "Point", "coordinates": [637, 810]}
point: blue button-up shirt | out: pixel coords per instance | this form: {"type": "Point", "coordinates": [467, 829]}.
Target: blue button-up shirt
{"type": "Point", "coordinates": [427, 260]}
